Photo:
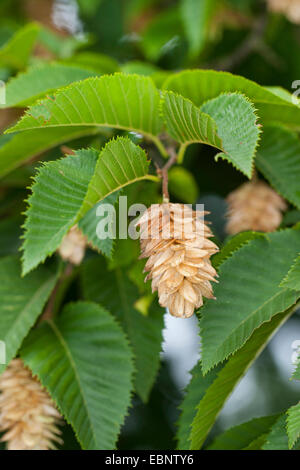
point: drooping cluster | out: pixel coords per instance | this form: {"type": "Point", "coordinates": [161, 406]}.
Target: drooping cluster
{"type": "Point", "coordinates": [73, 246]}
{"type": "Point", "coordinates": [28, 416]}
{"type": "Point", "coordinates": [177, 242]}
{"type": "Point", "coordinates": [254, 206]}
{"type": "Point", "coordinates": [290, 8]}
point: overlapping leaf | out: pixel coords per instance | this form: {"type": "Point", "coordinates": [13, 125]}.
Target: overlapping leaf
{"type": "Point", "coordinates": [248, 294]}
{"type": "Point", "coordinates": [88, 224]}
{"type": "Point", "coordinates": [277, 438]}
{"type": "Point", "coordinates": [218, 392]}
{"type": "Point", "coordinates": [122, 101]}
{"type": "Point", "coordinates": [22, 300]}
{"type": "Point", "coordinates": [292, 279]}
{"type": "Point", "coordinates": [243, 435]}
{"type": "Point", "coordinates": [278, 158]}
{"type": "Point", "coordinates": [202, 85]}
{"type": "Point", "coordinates": [64, 190]}
{"type": "Point", "coordinates": [84, 360]}
{"type": "Point", "coordinates": [195, 392]}
{"type": "Point", "coordinates": [120, 163]}
{"type": "Point", "coordinates": [116, 292]}
{"type": "Point", "coordinates": [227, 123]}
{"type": "Point", "coordinates": [293, 424]}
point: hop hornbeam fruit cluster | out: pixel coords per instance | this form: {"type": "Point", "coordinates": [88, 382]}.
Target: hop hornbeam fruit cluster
{"type": "Point", "coordinates": [254, 206]}
{"type": "Point", "coordinates": [73, 246]}
{"type": "Point", "coordinates": [27, 414]}
{"type": "Point", "coordinates": [290, 8]}
{"type": "Point", "coordinates": [176, 240]}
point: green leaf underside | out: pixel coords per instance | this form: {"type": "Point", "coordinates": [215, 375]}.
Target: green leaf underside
{"type": "Point", "coordinates": [228, 123]}
{"type": "Point", "coordinates": [22, 300]}
{"type": "Point", "coordinates": [293, 424]}
{"type": "Point", "coordinates": [186, 123]}
{"type": "Point", "coordinates": [16, 52]}
{"type": "Point", "coordinates": [84, 361]}
{"type": "Point", "coordinates": [118, 294]}
{"type": "Point", "coordinates": [247, 294]}
{"type": "Point", "coordinates": [88, 225]}
{"type": "Point", "coordinates": [278, 159]}
{"type": "Point", "coordinates": [236, 123]}
{"type": "Point", "coordinates": [217, 394]}
{"type": "Point", "coordinates": [243, 435]}
{"type": "Point", "coordinates": [202, 85]}
{"type": "Point", "coordinates": [17, 149]}
{"type": "Point", "coordinates": [277, 438]}
{"type": "Point", "coordinates": [41, 80]}
{"type": "Point", "coordinates": [122, 101]}
{"type": "Point", "coordinates": [64, 191]}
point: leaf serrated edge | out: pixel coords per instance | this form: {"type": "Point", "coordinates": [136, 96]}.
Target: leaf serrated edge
{"type": "Point", "coordinates": [133, 370]}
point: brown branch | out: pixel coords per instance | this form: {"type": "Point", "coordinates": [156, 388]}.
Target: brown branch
{"type": "Point", "coordinates": [162, 172]}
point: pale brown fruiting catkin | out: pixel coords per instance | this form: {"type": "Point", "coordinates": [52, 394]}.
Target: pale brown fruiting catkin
{"type": "Point", "coordinates": [73, 246]}
{"type": "Point", "coordinates": [176, 240]}
{"type": "Point", "coordinates": [290, 8]}
{"type": "Point", "coordinates": [28, 416]}
{"type": "Point", "coordinates": [254, 206]}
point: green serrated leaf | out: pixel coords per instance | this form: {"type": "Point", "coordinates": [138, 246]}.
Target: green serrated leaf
{"type": "Point", "coordinates": [64, 191]}
{"type": "Point", "coordinates": [217, 394]}
{"type": "Point", "coordinates": [88, 225]}
{"type": "Point", "coordinates": [41, 80]}
{"type": "Point", "coordinates": [122, 101]}
{"type": "Point", "coordinates": [227, 122]}
{"type": "Point", "coordinates": [232, 244]}
{"type": "Point", "coordinates": [247, 294]}
{"type": "Point", "coordinates": [243, 435]}
{"type": "Point", "coordinates": [116, 292]}
{"type": "Point", "coordinates": [292, 279]}
{"type": "Point", "coordinates": [278, 159]}
{"type": "Point", "coordinates": [236, 123]}
{"type": "Point", "coordinates": [120, 162]}
{"type": "Point", "coordinates": [202, 85]}
{"type": "Point", "coordinates": [293, 424]}
{"type": "Point", "coordinates": [277, 438]}
{"type": "Point", "coordinates": [84, 361]}
{"type": "Point", "coordinates": [195, 391]}
{"type": "Point", "coordinates": [22, 301]}
{"type": "Point", "coordinates": [57, 196]}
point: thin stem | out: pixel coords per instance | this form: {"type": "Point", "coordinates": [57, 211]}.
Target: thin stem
{"type": "Point", "coordinates": [181, 152]}
{"type": "Point", "coordinates": [58, 293]}
{"type": "Point", "coordinates": [162, 150]}
{"type": "Point", "coordinates": [163, 173]}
